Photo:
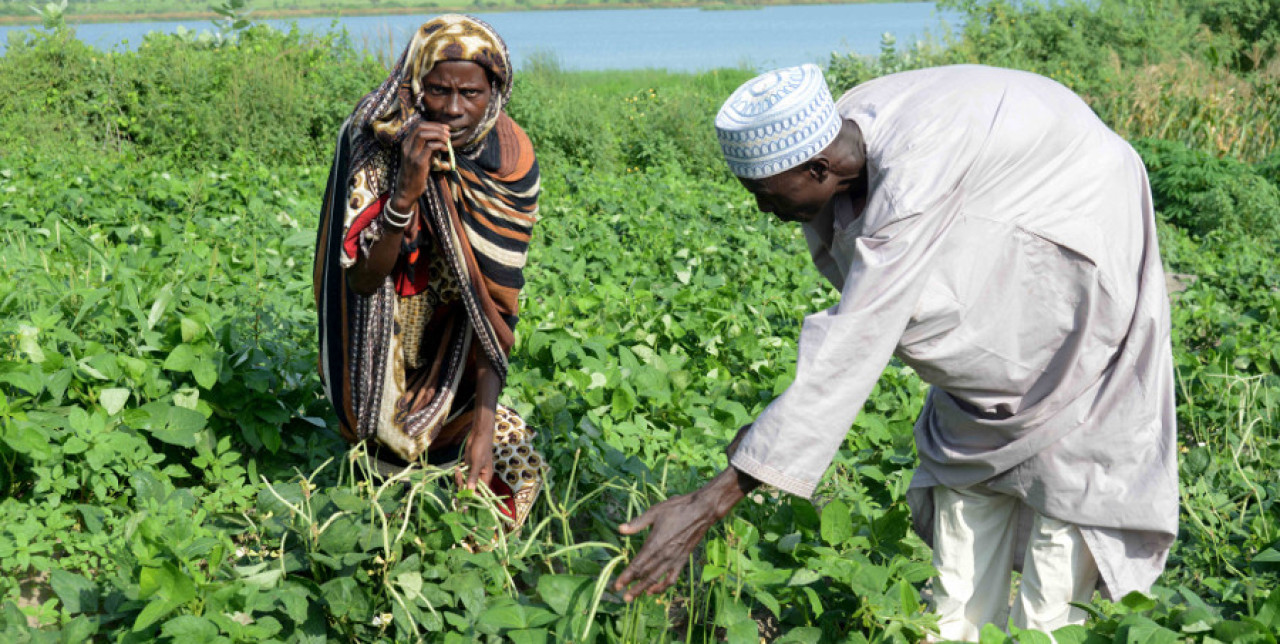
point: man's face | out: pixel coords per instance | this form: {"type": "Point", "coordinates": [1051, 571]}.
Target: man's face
{"type": "Point", "coordinates": [793, 195]}
{"type": "Point", "coordinates": [456, 93]}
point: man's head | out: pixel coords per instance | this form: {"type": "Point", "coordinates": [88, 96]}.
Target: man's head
{"type": "Point", "coordinates": [782, 137]}
{"type": "Point", "coordinates": [799, 193]}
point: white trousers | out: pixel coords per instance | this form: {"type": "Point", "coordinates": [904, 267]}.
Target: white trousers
{"type": "Point", "coordinates": [975, 535]}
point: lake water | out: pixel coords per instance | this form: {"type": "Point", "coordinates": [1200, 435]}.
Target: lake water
{"type": "Point", "coordinates": [676, 39]}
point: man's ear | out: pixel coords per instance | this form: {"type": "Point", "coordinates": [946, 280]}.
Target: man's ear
{"type": "Point", "coordinates": [818, 168]}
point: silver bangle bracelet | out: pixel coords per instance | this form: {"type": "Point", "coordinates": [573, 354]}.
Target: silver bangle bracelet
{"type": "Point", "coordinates": [395, 219]}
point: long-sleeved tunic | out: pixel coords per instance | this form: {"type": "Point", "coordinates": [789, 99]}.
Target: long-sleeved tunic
{"type": "Point", "coordinates": [1007, 252]}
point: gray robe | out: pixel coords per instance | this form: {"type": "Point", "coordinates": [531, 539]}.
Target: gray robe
{"type": "Point", "coordinates": [1007, 252]}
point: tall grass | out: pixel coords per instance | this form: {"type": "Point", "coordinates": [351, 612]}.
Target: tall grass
{"type": "Point", "coordinates": [1192, 101]}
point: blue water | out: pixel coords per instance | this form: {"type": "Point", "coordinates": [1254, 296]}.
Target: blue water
{"type": "Point", "coordinates": [676, 39]}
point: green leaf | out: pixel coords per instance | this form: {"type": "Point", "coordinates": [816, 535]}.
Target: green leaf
{"type": "Point", "coordinates": [565, 593]}
{"type": "Point", "coordinates": [80, 629]}
{"type": "Point", "coordinates": [529, 636]}
{"type": "Point", "coordinates": [265, 579]}
{"type": "Point", "coordinates": [1197, 461]}
{"type": "Point", "coordinates": [340, 536]}
{"type": "Point", "coordinates": [991, 634]}
{"type": "Point", "coordinates": [1137, 629]}
{"type": "Point", "coordinates": [113, 400]}
{"type": "Point", "coordinates": [205, 372]}
{"type": "Point", "coordinates": [346, 598]}
{"type": "Point", "coordinates": [190, 629]}
{"type": "Point", "coordinates": [1233, 631]}
{"type": "Point", "coordinates": [801, 635]}
{"type": "Point", "coordinates": [1269, 615]}
{"type": "Point", "coordinates": [29, 378]}
{"type": "Point", "coordinates": [29, 439]}
{"type": "Point", "coordinates": [158, 307]}
{"type": "Point", "coordinates": [182, 358]}
{"type": "Point", "coordinates": [803, 577]}
{"type": "Point", "coordinates": [1138, 602]}
{"type": "Point", "coordinates": [730, 611]}
{"type": "Point", "coordinates": [815, 602]}
{"type": "Point", "coordinates": [768, 601]}
{"type": "Point", "coordinates": [153, 612]}
{"type": "Point", "coordinates": [93, 517]}
{"type": "Point", "coordinates": [1077, 634]}
{"type": "Point", "coordinates": [743, 632]}
{"type": "Point", "coordinates": [1268, 559]}
{"type": "Point", "coordinates": [410, 583]}
{"type": "Point", "coordinates": [74, 445]}
{"type": "Point", "coordinates": [789, 542]}
{"type": "Point", "coordinates": [908, 598]}
{"type": "Point", "coordinates": [1029, 636]}
{"type": "Point", "coordinates": [191, 330]}
{"type": "Point", "coordinates": [837, 523]}
{"type": "Point", "coordinates": [77, 594]}
{"type": "Point", "coordinates": [295, 600]}
{"type": "Point", "coordinates": [508, 613]}
{"type": "Point", "coordinates": [172, 424]}
{"type": "Point", "coordinates": [806, 516]}
{"type": "Point", "coordinates": [28, 343]}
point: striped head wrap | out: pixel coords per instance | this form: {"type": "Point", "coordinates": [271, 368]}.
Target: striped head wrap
{"type": "Point", "coordinates": [389, 113]}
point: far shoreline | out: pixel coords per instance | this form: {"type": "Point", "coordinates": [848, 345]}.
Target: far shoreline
{"type": "Point", "coordinates": [285, 14]}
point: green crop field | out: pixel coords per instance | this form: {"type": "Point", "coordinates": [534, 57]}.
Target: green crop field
{"type": "Point", "coordinates": [169, 470]}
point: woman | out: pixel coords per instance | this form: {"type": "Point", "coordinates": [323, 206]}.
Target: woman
{"type": "Point", "coordinates": [423, 238]}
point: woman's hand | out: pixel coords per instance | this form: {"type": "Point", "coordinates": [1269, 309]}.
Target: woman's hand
{"type": "Point", "coordinates": [415, 163]}
{"type": "Point", "coordinates": [478, 457]}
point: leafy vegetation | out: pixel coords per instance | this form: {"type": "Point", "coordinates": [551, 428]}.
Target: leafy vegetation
{"type": "Point", "coordinates": [169, 470]}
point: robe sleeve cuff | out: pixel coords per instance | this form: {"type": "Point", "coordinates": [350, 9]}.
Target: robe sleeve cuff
{"type": "Point", "coordinates": [770, 476]}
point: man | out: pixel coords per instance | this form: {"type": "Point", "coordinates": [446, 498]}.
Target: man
{"type": "Point", "coordinates": [986, 228]}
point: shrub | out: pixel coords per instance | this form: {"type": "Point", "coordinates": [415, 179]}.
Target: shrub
{"type": "Point", "coordinates": [1202, 193]}
{"type": "Point", "coordinates": [278, 95]}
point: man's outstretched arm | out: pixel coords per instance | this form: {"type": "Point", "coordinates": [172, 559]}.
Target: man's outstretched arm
{"type": "Point", "coordinates": [678, 524]}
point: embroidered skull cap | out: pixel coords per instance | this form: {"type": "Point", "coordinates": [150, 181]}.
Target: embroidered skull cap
{"type": "Point", "coordinates": [777, 121]}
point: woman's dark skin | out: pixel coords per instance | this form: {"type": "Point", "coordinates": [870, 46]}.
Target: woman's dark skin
{"type": "Point", "coordinates": [679, 523]}
{"type": "Point", "coordinates": [456, 95]}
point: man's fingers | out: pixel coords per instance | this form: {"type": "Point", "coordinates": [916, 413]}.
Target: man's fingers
{"type": "Point", "coordinates": [648, 577]}
{"type": "Point", "coordinates": [641, 522]}
{"type": "Point", "coordinates": [646, 570]}
{"type": "Point", "coordinates": [653, 584]}
{"type": "Point", "coordinates": [666, 579]}
{"type": "Point", "coordinates": [638, 569]}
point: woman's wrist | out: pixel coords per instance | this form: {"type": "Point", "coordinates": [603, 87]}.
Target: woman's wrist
{"type": "Point", "coordinates": [397, 215]}
{"type": "Point", "coordinates": [401, 201]}
{"type": "Point", "coordinates": [481, 426]}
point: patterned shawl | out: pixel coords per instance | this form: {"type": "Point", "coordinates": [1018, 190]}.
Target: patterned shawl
{"type": "Point", "coordinates": [475, 220]}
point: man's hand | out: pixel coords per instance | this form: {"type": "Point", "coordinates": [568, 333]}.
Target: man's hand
{"type": "Point", "coordinates": [678, 523]}
{"type": "Point", "coordinates": [415, 163]}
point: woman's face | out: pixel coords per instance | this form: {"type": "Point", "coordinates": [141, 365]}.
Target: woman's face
{"type": "Point", "coordinates": [456, 93]}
